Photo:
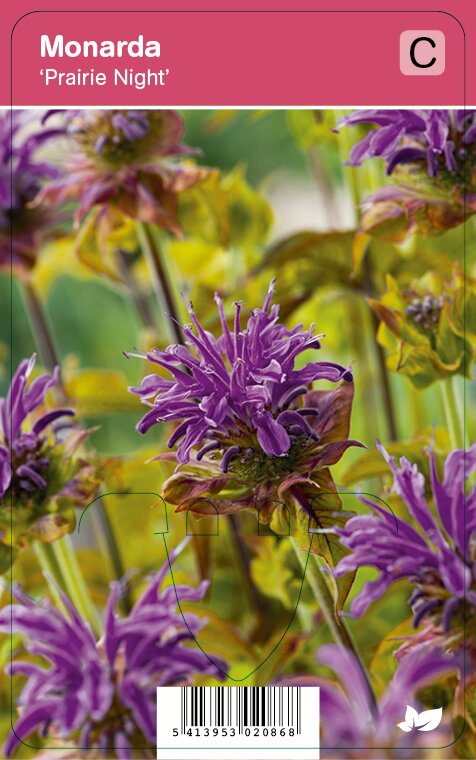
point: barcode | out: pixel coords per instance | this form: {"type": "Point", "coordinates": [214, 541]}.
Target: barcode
{"type": "Point", "coordinates": [237, 722]}
{"type": "Point", "coordinates": [241, 707]}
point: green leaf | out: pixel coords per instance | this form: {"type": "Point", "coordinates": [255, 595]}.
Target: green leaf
{"type": "Point", "coordinates": [387, 221]}
{"type": "Point", "coordinates": [326, 505]}
{"type": "Point", "coordinates": [372, 464]}
{"type": "Point", "coordinates": [99, 238]}
{"type": "Point", "coordinates": [269, 570]}
{"type": "Point", "coordinates": [315, 258]}
{"type": "Point", "coordinates": [226, 211]}
{"type": "Point", "coordinates": [99, 391]}
{"type": "Point", "coordinates": [51, 527]}
{"type": "Point", "coordinates": [313, 127]}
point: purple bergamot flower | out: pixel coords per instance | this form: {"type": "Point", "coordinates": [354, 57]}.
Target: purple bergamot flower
{"type": "Point", "coordinates": [245, 412]}
{"type": "Point", "coordinates": [123, 164]}
{"type": "Point", "coordinates": [239, 387]}
{"type": "Point", "coordinates": [431, 156]}
{"type": "Point", "coordinates": [442, 140]}
{"type": "Point", "coordinates": [352, 725]}
{"type": "Point", "coordinates": [23, 226]}
{"type": "Point", "coordinates": [41, 477]}
{"type": "Point", "coordinates": [434, 550]}
{"type": "Point", "coordinates": [101, 694]}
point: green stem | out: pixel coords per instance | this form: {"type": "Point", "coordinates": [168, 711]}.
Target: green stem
{"type": "Point", "coordinates": [163, 288]}
{"type": "Point", "coordinates": [454, 418]}
{"type": "Point", "coordinates": [52, 571]}
{"type": "Point", "coordinates": [140, 299]}
{"type": "Point", "coordinates": [109, 547]}
{"type": "Point", "coordinates": [323, 596]}
{"type": "Point", "coordinates": [350, 173]}
{"type": "Point", "coordinates": [418, 407]}
{"type": "Point", "coordinates": [388, 403]}
{"type": "Point", "coordinates": [40, 328]}
{"type": "Point", "coordinates": [74, 583]}
{"type": "Point", "coordinates": [354, 177]}
{"type": "Point", "coordinates": [323, 184]}
{"type": "Point", "coordinates": [243, 557]}
{"type": "Point", "coordinates": [368, 389]}
{"type": "Point", "coordinates": [46, 348]}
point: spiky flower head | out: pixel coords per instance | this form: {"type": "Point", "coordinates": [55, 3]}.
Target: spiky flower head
{"type": "Point", "coordinates": [431, 156]}
{"type": "Point", "coordinates": [123, 165]}
{"type": "Point", "coordinates": [428, 328]}
{"type": "Point", "coordinates": [41, 476]}
{"type": "Point", "coordinates": [101, 694]}
{"type": "Point", "coordinates": [433, 548]}
{"type": "Point", "coordinates": [23, 227]}
{"type": "Point", "coordinates": [245, 412]}
{"type": "Point", "coordinates": [353, 726]}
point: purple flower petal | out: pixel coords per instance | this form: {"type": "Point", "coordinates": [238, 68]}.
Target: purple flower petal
{"type": "Point", "coordinates": [5, 470]}
{"type": "Point", "coordinates": [272, 436]}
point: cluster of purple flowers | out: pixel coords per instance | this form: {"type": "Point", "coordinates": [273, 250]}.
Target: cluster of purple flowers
{"type": "Point", "coordinates": [439, 138]}
{"type": "Point", "coordinates": [236, 393]}
{"type": "Point", "coordinates": [122, 163]}
{"type": "Point", "coordinates": [24, 460]}
{"type": "Point", "coordinates": [437, 555]}
{"type": "Point", "coordinates": [102, 694]}
{"type": "Point", "coordinates": [352, 724]}
{"type": "Point", "coordinates": [22, 226]}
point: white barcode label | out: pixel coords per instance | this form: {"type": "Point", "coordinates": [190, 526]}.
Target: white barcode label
{"type": "Point", "coordinates": [239, 722]}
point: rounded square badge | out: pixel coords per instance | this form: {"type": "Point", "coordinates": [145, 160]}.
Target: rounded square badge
{"type": "Point", "coordinates": [422, 53]}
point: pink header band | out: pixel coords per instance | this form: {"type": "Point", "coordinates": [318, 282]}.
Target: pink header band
{"type": "Point", "coordinates": [237, 58]}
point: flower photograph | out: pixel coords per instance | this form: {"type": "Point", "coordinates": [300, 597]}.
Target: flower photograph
{"type": "Point", "coordinates": [237, 424]}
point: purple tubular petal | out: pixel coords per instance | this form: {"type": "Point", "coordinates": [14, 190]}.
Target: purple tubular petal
{"type": "Point", "coordinates": [100, 144]}
{"type": "Point", "coordinates": [346, 667]}
{"type": "Point", "coordinates": [291, 395]}
{"type": "Point", "coordinates": [404, 156]}
{"type": "Point", "coordinates": [432, 162]}
{"type": "Point", "coordinates": [50, 417]}
{"type": "Point", "coordinates": [147, 421]}
{"type": "Point", "coordinates": [437, 130]}
{"type": "Point", "coordinates": [455, 574]}
{"type": "Point", "coordinates": [384, 140]}
{"type": "Point", "coordinates": [470, 134]}
{"type": "Point", "coordinates": [409, 484]}
{"type": "Point", "coordinates": [272, 437]}
{"type": "Point", "coordinates": [360, 151]}
{"type": "Point", "coordinates": [371, 592]}
{"type": "Point", "coordinates": [450, 158]}
{"type": "Point", "coordinates": [31, 719]}
{"type": "Point", "coordinates": [423, 610]}
{"type": "Point", "coordinates": [415, 670]}
{"type": "Point", "coordinates": [308, 411]}
{"type": "Point", "coordinates": [24, 471]}
{"type": "Point", "coordinates": [229, 346]}
{"type": "Point", "coordinates": [297, 421]}
{"type": "Point", "coordinates": [122, 746]}
{"type": "Point", "coordinates": [5, 470]}
{"type": "Point", "coordinates": [230, 453]}
{"type": "Point", "coordinates": [212, 446]}
{"type": "Point", "coordinates": [178, 433]}
{"type": "Point", "coordinates": [450, 607]}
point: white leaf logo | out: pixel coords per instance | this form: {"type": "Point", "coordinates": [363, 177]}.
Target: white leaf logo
{"type": "Point", "coordinates": [427, 720]}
